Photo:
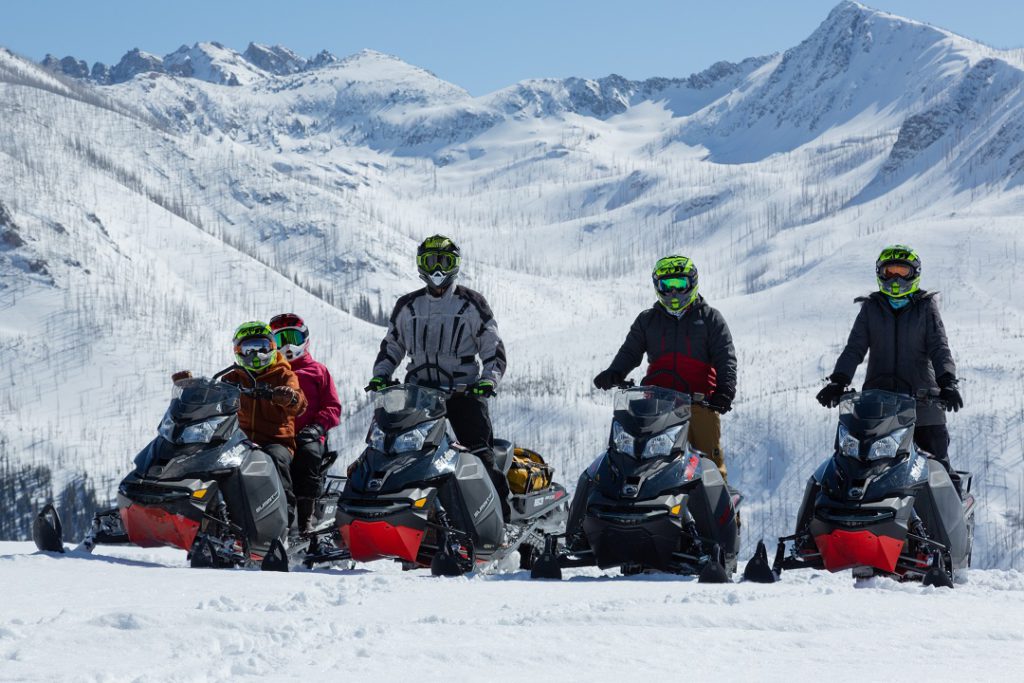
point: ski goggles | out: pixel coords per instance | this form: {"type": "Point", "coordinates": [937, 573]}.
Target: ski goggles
{"type": "Point", "coordinates": [437, 260]}
{"type": "Point", "coordinates": [674, 284]}
{"type": "Point", "coordinates": [889, 271]}
{"type": "Point", "coordinates": [289, 337]}
{"type": "Point", "coordinates": [255, 345]}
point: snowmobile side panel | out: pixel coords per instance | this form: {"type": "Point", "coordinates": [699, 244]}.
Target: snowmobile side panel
{"type": "Point", "coordinates": [942, 512]}
{"type": "Point", "coordinates": [255, 499]}
{"type": "Point", "coordinates": [471, 494]}
{"type": "Point", "coordinates": [150, 527]}
{"type": "Point", "coordinates": [842, 549]}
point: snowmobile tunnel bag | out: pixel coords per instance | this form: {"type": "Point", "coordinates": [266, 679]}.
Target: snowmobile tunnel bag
{"type": "Point", "coordinates": [528, 472]}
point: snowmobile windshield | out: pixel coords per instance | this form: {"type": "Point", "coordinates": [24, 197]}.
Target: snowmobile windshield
{"type": "Point", "coordinates": [875, 413]}
{"type": "Point", "coordinates": [651, 409]}
{"type": "Point", "coordinates": [404, 406]}
{"type": "Point", "coordinates": [199, 398]}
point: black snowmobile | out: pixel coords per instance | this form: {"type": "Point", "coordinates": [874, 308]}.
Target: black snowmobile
{"type": "Point", "coordinates": [202, 486]}
{"type": "Point", "coordinates": [878, 505]}
{"type": "Point", "coordinates": [417, 496]}
{"type": "Point", "coordinates": [650, 501]}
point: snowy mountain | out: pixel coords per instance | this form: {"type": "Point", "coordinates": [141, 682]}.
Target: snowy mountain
{"type": "Point", "coordinates": [150, 208]}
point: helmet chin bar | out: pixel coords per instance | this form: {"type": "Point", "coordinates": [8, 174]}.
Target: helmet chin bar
{"type": "Point", "coordinates": [437, 280]}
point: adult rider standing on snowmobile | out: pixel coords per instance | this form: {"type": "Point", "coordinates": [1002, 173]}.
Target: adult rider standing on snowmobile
{"type": "Point", "coordinates": [269, 422]}
{"type": "Point", "coordinates": [689, 349]}
{"type": "Point", "coordinates": [323, 411]}
{"type": "Point", "coordinates": [444, 328]}
{"type": "Point", "coordinates": [901, 328]}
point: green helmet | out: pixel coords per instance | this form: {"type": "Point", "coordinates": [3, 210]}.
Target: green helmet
{"type": "Point", "coordinates": [437, 260]}
{"type": "Point", "coordinates": [898, 270]}
{"type": "Point", "coordinates": [675, 281]}
{"type": "Point", "coordinates": [255, 349]}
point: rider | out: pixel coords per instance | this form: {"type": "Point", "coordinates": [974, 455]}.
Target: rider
{"type": "Point", "coordinates": [901, 327]}
{"type": "Point", "coordinates": [444, 328]}
{"type": "Point", "coordinates": [322, 413]}
{"type": "Point", "coordinates": [689, 348]}
{"type": "Point", "coordinates": [268, 423]}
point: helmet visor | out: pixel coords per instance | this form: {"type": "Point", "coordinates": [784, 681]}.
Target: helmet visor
{"type": "Point", "coordinates": [285, 320]}
{"type": "Point", "coordinates": [889, 271]}
{"type": "Point", "coordinates": [255, 345]}
{"type": "Point", "coordinates": [674, 284]}
{"type": "Point", "coordinates": [437, 260]}
{"type": "Point", "coordinates": [289, 337]}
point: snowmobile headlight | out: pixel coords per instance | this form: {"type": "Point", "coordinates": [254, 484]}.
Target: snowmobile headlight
{"type": "Point", "coordinates": [166, 428]}
{"type": "Point", "coordinates": [413, 439]}
{"type": "Point", "coordinates": [887, 446]}
{"type": "Point", "coordinates": [622, 440]}
{"type": "Point", "coordinates": [201, 432]}
{"type": "Point", "coordinates": [375, 438]}
{"type": "Point", "coordinates": [849, 446]}
{"type": "Point", "coordinates": [662, 444]}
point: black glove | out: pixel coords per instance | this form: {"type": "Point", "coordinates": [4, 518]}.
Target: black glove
{"type": "Point", "coordinates": [950, 393]}
{"type": "Point", "coordinates": [720, 403]}
{"type": "Point", "coordinates": [607, 379]}
{"type": "Point", "coordinates": [377, 383]}
{"type": "Point", "coordinates": [833, 391]}
{"type": "Point", "coordinates": [310, 433]}
{"type": "Point", "coordinates": [483, 389]}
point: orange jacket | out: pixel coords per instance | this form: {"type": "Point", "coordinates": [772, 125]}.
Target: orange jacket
{"type": "Point", "coordinates": [261, 420]}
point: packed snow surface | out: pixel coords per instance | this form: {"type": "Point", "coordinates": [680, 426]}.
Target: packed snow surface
{"type": "Point", "coordinates": [142, 615]}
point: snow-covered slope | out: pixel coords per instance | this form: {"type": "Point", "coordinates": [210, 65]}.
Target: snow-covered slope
{"type": "Point", "coordinates": [383, 624]}
{"type": "Point", "coordinates": [148, 218]}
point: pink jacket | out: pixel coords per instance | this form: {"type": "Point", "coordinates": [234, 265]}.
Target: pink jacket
{"type": "Point", "coordinates": [324, 407]}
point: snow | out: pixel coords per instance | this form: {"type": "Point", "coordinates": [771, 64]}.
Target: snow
{"type": "Point", "coordinates": [140, 615]}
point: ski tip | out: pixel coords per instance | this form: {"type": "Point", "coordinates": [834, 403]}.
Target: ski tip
{"type": "Point", "coordinates": [276, 559]}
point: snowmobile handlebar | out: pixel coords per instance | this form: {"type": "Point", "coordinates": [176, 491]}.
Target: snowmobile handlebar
{"type": "Point", "coordinates": [261, 391]}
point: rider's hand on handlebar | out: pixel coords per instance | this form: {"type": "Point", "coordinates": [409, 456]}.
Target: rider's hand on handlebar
{"type": "Point", "coordinates": [284, 396]}
{"type": "Point", "coordinates": [377, 383]}
{"type": "Point", "coordinates": [830, 395]}
{"type": "Point", "coordinates": [483, 388]}
{"type": "Point", "coordinates": [950, 393]}
{"type": "Point", "coordinates": [310, 433]}
{"type": "Point", "coordinates": [181, 375]}
{"type": "Point", "coordinates": [720, 403]}
{"type": "Point", "coordinates": [606, 379]}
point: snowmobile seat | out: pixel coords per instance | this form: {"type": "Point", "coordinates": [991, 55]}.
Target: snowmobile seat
{"type": "Point", "coordinates": [502, 450]}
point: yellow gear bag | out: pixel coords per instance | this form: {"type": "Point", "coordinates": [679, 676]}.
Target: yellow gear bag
{"type": "Point", "coordinates": [528, 472]}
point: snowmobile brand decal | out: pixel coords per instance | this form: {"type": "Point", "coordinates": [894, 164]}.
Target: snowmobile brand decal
{"type": "Point", "coordinates": [917, 469]}
{"type": "Point", "coordinates": [268, 501]}
{"type": "Point", "coordinates": [483, 505]}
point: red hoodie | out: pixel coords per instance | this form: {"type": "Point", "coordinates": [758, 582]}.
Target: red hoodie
{"type": "Point", "coordinates": [324, 407]}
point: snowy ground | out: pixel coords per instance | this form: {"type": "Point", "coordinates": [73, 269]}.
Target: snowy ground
{"type": "Point", "coordinates": [141, 615]}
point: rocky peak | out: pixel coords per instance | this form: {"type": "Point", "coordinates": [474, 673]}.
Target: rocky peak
{"type": "Point", "coordinates": [275, 59]}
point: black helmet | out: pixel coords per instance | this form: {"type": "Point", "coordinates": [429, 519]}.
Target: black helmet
{"type": "Point", "coordinates": [437, 261]}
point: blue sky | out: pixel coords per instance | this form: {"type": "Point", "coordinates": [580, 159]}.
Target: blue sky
{"type": "Point", "coordinates": [481, 45]}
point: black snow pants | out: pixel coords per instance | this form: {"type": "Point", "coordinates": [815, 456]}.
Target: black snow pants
{"type": "Point", "coordinates": [471, 422]}
{"type": "Point", "coordinates": [306, 476]}
{"type": "Point", "coordinates": [282, 458]}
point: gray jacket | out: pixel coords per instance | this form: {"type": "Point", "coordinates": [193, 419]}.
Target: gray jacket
{"type": "Point", "coordinates": [443, 337]}
{"type": "Point", "coordinates": [908, 349]}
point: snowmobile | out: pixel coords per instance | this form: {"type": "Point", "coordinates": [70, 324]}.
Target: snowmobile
{"type": "Point", "coordinates": [417, 496]}
{"type": "Point", "coordinates": [878, 505]}
{"type": "Point", "coordinates": [202, 486]}
{"type": "Point", "coordinates": [650, 501]}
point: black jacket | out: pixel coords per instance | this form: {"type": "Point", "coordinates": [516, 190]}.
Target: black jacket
{"type": "Point", "coordinates": [908, 349]}
{"type": "Point", "coordinates": [696, 346]}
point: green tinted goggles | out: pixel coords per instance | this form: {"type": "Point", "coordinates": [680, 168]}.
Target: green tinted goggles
{"type": "Point", "coordinates": [437, 260]}
{"type": "Point", "coordinates": [289, 337]}
{"type": "Point", "coordinates": [674, 284]}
